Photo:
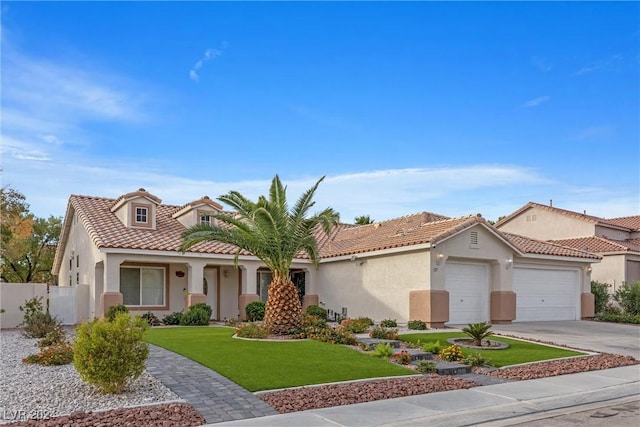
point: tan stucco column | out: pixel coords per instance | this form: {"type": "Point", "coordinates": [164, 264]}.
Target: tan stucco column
{"type": "Point", "coordinates": [195, 287]}
{"type": "Point", "coordinates": [308, 300]}
{"type": "Point", "coordinates": [503, 307]}
{"type": "Point", "coordinates": [249, 287]}
{"type": "Point", "coordinates": [109, 299]}
{"type": "Point", "coordinates": [430, 306]}
{"type": "Point", "coordinates": [111, 294]}
{"type": "Point", "coordinates": [587, 305]}
{"type": "Point", "coordinates": [243, 301]}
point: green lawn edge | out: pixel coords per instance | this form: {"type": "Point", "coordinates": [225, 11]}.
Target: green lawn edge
{"type": "Point", "coordinates": [518, 352]}
{"type": "Point", "coordinates": [266, 365]}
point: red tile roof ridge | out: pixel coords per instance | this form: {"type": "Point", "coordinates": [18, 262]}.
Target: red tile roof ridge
{"type": "Point", "coordinates": [628, 245]}
{"type": "Point", "coordinates": [513, 239]}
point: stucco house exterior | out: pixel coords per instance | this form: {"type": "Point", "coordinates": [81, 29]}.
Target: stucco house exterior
{"type": "Point", "coordinates": [617, 240]}
{"type": "Point", "coordinates": [418, 267]}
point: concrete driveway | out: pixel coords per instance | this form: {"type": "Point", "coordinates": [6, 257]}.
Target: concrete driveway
{"type": "Point", "coordinates": [583, 334]}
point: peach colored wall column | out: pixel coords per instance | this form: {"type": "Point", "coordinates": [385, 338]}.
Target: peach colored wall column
{"type": "Point", "coordinates": [108, 299]}
{"type": "Point", "coordinates": [431, 307]}
{"type": "Point", "coordinates": [243, 301]}
{"type": "Point", "coordinates": [193, 299]}
{"type": "Point", "coordinates": [308, 300]}
{"type": "Point", "coordinates": [503, 307]}
{"type": "Point", "coordinates": [587, 305]}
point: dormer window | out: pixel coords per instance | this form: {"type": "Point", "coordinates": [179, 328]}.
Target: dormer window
{"type": "Point", "coordinates": [206, 218]}
{"type": "Point", "coordinates": [141, 215]}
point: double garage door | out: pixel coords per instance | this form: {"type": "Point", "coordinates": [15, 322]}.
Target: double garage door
{"type": "Point", "coordinates": [541, 293]}
{"type": "Point", "coordinates": [546, 294]}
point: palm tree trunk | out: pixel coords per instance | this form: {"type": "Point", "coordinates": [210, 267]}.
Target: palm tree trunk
{"type": "Point", "coordinates": [283, 311]}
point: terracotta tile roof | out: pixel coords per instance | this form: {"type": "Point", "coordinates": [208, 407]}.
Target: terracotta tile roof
{"type": "Point", "coordinates": [538, 247]}
{"type": "Point", "coordinates": [601, 245]}
{"type": "Point", "coordinates": [630, 222]}
{"type": "Point", "coordinates": [572, 214]}
{"type": "Point", "coordinates": [408, 230]}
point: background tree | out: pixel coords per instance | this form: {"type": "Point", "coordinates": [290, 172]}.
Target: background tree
{"type": "Point", "coordinates": [274, 234]}
{"type": "Point", "coordinates": [363, 220]}
{"type": "Point", "coordinates": [28, 243]}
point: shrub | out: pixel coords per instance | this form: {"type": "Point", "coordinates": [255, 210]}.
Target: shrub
{"type": "Point", "coordinates": [383, 350]}
{"type": "Point", "coordinates": [330, 335]}
{"type": "Point", "coordinates": [601, 295]}
{"type": "Point", "coordinates": [615, 315]}
{"type": "Point", "coordinates": [315, 321]}
{"type": "Point", "coordinates": [432, 347]}
{"type": "Point", "coordinates": [252, 330]}
{"type": "Point", "coordinates": [389, 323]}
{"type": "Point", "coordinates": [56, 335]}
{"type": "Point", "coordinates": [151, 319]}
{"type": "Point", "coordinates": [109, 355]}
{"type": "Point", "coordinates": [426, 366]}
{"type": "Point", "coordinates": [402, 358]}
{"type": "Point", "coordinates": [197, 315]}
{"type": "Point", "coordinates": [628, 296]}
{"type": "Point", "coordinates": [255, 311]}
{"type": "Point", "coordinates": [478, 332]}
{"type": "Point", "coordinates": [316, 310]}
{"type": "Point", "coordinates": [36, 323]}
{"type": "Point", "coordinates": [383, 333]}
{"type": "Point", "coordinates": [452, 353]}
{"type": "Point", "coordinates": [114, 310]}
{"type": "Point", "coordinates": [172, 319]}
{"type": "Point", "coordinates": [417, 325]}
{"type": "Point", "coordinates": [475, 360]}
{"type": "Point", "coordinates": [59, 353]}
{"type": "Point", "coordinates": [357, 326]}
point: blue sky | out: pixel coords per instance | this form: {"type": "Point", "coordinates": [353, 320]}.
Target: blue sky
{"type": "Point", "coordinates": [454, 107]}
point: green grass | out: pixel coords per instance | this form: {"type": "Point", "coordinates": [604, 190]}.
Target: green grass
{"type": "Point", "coordinates": [263, 365]}
{"type": "Point", "coordinates": [518, 351]}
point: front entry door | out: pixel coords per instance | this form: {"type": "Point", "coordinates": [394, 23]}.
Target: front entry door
{"type": "Point", "coordinates": [210, 288]}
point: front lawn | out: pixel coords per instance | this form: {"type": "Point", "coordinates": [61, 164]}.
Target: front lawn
{"type": "Point", "coordinates": [264, 365]}
{"type": "Point", "coordinates": [518, 351]}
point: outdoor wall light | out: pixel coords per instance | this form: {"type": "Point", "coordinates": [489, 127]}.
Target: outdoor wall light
{"type": "Point", "coordinates": [588, 270]}
{"type": "Point", "coordinates": [508, 263]}
{"type": "Point", "coordinates": [439, 258]}
{"type": "Point", "coordinates": [225, 273]}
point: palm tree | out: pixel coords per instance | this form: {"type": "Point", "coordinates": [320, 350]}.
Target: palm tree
{"type": "Point", "coordinates": [363, 220]}
{"type": "Point", "coordinates": [275, 235]}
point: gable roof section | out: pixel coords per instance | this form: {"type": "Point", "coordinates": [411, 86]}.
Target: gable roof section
{"type": "Point", "coordinates": [601, 245]}
{"type": "Point", "coordinates": [539, 247]}
{"type": "Point", "coordinates": [617, 223]}
{"type": "Point", "coordinates": [630, 222]}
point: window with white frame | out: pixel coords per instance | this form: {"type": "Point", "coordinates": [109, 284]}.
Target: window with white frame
{"type": "Point", "coordinates": [142, 286]}
{"type": "Point", "coordinates": [206, 218]}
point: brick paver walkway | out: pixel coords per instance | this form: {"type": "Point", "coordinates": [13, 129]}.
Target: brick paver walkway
{"type": "Point", "coordinates": [214, 396]}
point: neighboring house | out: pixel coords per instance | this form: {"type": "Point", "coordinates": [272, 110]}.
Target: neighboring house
{"type": "Point", "coordinates": [617, 240]}
{"type": "Point", "coordinates": [418, 267]}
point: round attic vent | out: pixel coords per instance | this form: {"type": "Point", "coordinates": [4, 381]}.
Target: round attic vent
{"type": "Point", "coordinates": [142, 189]}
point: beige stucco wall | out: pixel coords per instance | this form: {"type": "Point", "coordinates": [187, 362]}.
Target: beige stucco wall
{"type": "Point", "coordinates": [79, 244]}
{"type": "Point", "coordinates": [633, 268]}
{"type": "Point", "coordinates": [229, 294]}
{"type": "Point", "coordinates": [490, 250]}
{"type": "Point", "coordinates": [547, 225]}
{"type": "Point", "coordinates": [610, 270]}
{"type": "Point", "coordinates": [611, 233]}
{"type": "Point", "coordinates": [377, 287]}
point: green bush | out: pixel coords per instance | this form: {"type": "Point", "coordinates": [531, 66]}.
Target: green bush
{"type": "Point", "coordinates": [383, 333]}
{"type": "Point", "coordinates": [330, 335]}
{"type": "Point", "coordinates": [417, 325]}
{"type": "Point", "coordinates": [432, 347]}
{"type": "Point", "coordinates": [114, 310]}
{"type": "Point", "coordinates": [252, 330]}
{"type": "Point", "coordinates": [172, 319]}
{"type": "Point", "coordinates": [316, 310]}
{"type": "Point", "coordinates": [315, 321]}
{"type": "Point", "coordinates": [37, 323]}
{"type": "Point", "coordinates": [628, 296]}
{"type": "Point", "coordinates": [56, 335]}
{"type": "Point", "coordinates": [389, 323]}
{"type": "Point", "coordinates": [357, 326]}
{"type": "Point", "coordinates": [383, 350]}
{"type": "Point", "coordinates": [615, 315]}
{"type": "Point", "coordinates": [601, 295]}
{"type": "Point", "coordinates": [426, 366]}
{"type": "Point", "coordinates": [108, 354]}
{"type": "Point", "coordinates": [151, 319]}
{"type": "Point", "coordinates": [475, 360]}
{"type": "Point", "coordinates": [197, 315]}
{"type": "Point", "coordinates": [255, 311]}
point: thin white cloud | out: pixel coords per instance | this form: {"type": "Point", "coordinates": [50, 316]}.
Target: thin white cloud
{"type": "Point", "coordinates": [593, 133]}
{"type": "Point", "coordinates": [541, 64]}
{"type": "Point", "coordinates": [536, 101]}
{"type": "Point", "coordinates": [605, 64]}
{"type": "Point", "coordinates": [206, 57]}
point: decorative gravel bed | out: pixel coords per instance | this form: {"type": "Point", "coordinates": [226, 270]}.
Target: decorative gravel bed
{"type": "Point", "coordinates": [34, 391]}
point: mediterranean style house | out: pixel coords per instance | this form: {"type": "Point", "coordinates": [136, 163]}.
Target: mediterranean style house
{"type": "Point", "coordinates": [617, 240]}
{"type": "Point", "coordinates": [444, 271]}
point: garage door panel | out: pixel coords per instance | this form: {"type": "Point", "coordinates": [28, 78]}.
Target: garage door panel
{"type": "Point", "coordinates": [468, 289]}
{"type": "Point", "coordinates": [545, 294]}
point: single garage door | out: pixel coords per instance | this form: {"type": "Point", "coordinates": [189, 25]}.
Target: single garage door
{"type": "Point", "coordinates": [468, 287]}
{"type": "Point", "coordinates": [545, 294]}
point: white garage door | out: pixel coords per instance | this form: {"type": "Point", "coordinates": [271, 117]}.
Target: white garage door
{"type": "Point", "coordinates": [468, 287]}
{"type": "Point", "coordinates": [545, 294]}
